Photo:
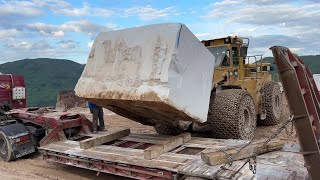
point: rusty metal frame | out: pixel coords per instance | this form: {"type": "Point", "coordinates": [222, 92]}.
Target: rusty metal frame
{"type": "Point", "coordinates": [124, 170]}
{"type": "Point", "coordinates": [303, 101]}
{"type": "Point", "coordinates": [55, 122]}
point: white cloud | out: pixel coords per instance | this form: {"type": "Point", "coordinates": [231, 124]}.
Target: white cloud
{"type": "Point", "coordinates": [270, 22]}
{"type": "Point", "coordinates": [226, 3]}
{"type": "Point", "coordinates": [83, 11]}
{"type": "Point", "coordinates": [17, 49]}
{"type": "Point", "coordinates": [82, 26]}
{"type": "Point", "coordinates": [8, 33]}
{"type": "Point", "coordinates": [59, 33]}
{"type": "Point", "coordinates": [203, 36]}
{"type": "Point", "coordinates": [68, 44]}
{"type": "Point", "coordinates": [85, 27]}
{"type": "Point", "coordinates": [275, 2]}
{"type": "Point", "coordinates": [65, 8]}
{"type": "Point", "coordinates": [148, 12]}
{"type": "Point", "coordinates": [19, 9]}
{"type": "Point", "coordinates": [13, 12]}
{"type": "Point", "coordinates": [52, 3]}
{"type": "Point", "coordinates": [35, 8]}
{"type": "Point", "coordinates": [20, 46]}
{"type": "Point", "coordinates": [90, 44]}
{"type": "Point", "coordinates": [102, 12]}
{"type": "Point", "coordinates": [45, 29]}
{"type": "Point", "coordinates": [280, 14]}
{"type": "Point", "coordinates": [24, 34]}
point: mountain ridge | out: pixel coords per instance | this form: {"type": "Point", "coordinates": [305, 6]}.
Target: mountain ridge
{"type": "Point", "coordinates": [44, 77]}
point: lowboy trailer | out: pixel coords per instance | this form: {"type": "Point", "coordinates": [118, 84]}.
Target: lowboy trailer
{"type": "Point", "coordinates": [126, 157]}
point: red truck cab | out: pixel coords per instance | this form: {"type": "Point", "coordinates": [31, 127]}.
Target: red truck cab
{"type": "Point", "coordinates": [12, 91]}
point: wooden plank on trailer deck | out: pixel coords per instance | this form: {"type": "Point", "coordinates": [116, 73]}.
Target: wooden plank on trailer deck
{"type": "Point", "coordinates": [71, 144]}
{"type": "Point", "coordinates": [71, 147]}
{"type": "Point", "coordinates": [158, 149]}
{"type": "Point", "coordinates": [201, 146]}
{"type": "Point", "coordinates": [207, 143]}
{"type": "Point", "coordinates": [220, 156]}
{"type": "Point", "coordinates": [218, 142]}
{"type": "Point", "coordinates": [169, 157]}
{"type": "Point", "coordinates": [148, 138]}
{"type": "Point", "coordinates": [115, 156]}
{"type": "Point", "coordinates": [104, 138]}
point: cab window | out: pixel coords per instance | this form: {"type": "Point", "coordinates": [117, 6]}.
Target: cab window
{"type": "Point", "coordinates": [226, 59]}
{"type": "Point", "coordinates": [235, 56]}
{"type": "Point", "coordinates": [221, 54]}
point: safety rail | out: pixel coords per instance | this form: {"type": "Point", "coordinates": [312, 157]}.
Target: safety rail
{"type": "Point", "coordinates": [257, 69]}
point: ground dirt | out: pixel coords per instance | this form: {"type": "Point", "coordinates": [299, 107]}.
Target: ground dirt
{"type": "Point", "coordinates": [33, 167]}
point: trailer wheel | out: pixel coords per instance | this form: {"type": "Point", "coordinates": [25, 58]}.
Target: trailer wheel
{"type": "Point", "coordinates": [6, 153]}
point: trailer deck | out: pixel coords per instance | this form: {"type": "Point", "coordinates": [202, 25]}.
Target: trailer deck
{"type": "Point", "coordinates": [125, 157]}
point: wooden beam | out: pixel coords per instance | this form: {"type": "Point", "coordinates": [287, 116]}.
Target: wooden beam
{"type": "Point", "coordinates": [104, 138]}
{"type": "Point", "coordinates": [220, 156]}
{"type": "Point", "coordinates": [158, 149]}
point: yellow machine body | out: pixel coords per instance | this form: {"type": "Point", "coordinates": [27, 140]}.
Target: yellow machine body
{"type": "Point", "coordinates": [235, 70]}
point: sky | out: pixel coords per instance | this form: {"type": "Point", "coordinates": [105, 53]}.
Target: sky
{"type": "Point", "coordinates": [66, 29]}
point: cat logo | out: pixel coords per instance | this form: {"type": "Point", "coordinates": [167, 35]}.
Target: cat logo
{"type": "Point", "coordinates": [4, 86]}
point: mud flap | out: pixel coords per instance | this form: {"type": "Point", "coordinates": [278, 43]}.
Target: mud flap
{"type": "Point", "coordinates": [17, 139]}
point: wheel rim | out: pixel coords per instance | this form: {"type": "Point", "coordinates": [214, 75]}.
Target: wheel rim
{"type": "Point", "coordinates": [276, 107]}
{"type": "Point", "coordinates": [248, 122]}
{"type": "Point", "coordinates": [3, 146]}
{"type": "Point", "coordinates": [246, 119]}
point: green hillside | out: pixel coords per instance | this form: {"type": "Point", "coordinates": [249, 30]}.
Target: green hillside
{"type": "Point", "coordinates": [313, 62]}
{"type": "Point", "coordinates": [45, 77]}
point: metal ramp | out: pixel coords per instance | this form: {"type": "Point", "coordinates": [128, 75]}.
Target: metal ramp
{"type": "Point", "coordinates": [303, 98]}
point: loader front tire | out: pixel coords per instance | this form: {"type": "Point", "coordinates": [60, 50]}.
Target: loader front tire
{"type": "Point", "coordinates": [271, 99]}
{"type": "Point", "coordinates": [232, 115]}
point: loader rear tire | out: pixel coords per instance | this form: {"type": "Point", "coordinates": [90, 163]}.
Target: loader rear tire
{"type": "Point", "coordinates": [271, 99]}
{"type": "Point", "coordinates": [232, 115]}
{"type": "Point", "coordinates": [167, 129]}
{"type": "Point", "coordinates": [6, 153]}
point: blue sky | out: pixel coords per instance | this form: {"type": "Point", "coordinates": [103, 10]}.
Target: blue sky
{"type": "Point", "coordinates": [66, 28]}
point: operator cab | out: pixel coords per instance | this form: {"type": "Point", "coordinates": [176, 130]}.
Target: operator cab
{"type": "Point", "coordinates": [231, 55]}
{"type": "Point", "coordinates": [228, 50]}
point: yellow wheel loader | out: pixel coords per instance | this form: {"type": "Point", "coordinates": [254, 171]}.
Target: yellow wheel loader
{"type": "Point", "coordinates": [243, 93]}
{"type": "Point", "coordinates": [243, 90]}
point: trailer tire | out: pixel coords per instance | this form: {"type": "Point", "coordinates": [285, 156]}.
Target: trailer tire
{"type": "Point", "coordinates": [6, 153]}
